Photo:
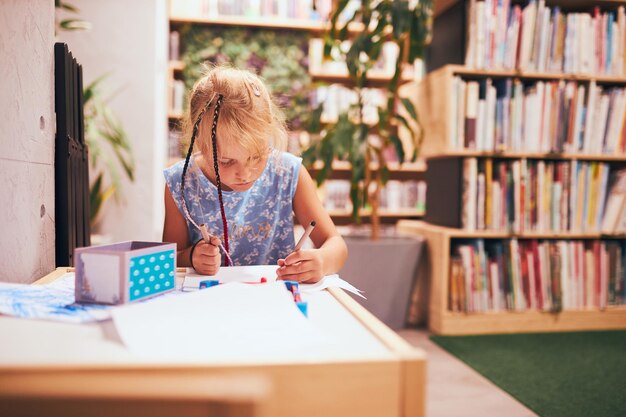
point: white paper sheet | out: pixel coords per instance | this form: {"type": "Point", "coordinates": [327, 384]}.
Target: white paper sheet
{"type": "Point", "coordinates": [254, 273]}
{"type": "Point", "coordinates": [225, 322]}
{"type": "Point", "coordinates": [331, 281]}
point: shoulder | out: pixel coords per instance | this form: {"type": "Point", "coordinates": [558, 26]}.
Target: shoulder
{"type": "Point", "coordinates": [173, 176]}
{"type": "Point", "coordinates": [290, 159]}
{"type": "Point", "coordinates": [174, 170]}
{"type": "Point", "coordinates": [287, 163]}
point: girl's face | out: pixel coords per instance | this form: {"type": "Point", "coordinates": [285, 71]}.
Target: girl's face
{"type": "Point", "coordinates": [238, 168]}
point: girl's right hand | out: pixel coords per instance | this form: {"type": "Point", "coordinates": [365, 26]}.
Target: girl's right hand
{"type": "Point", "coordinates": [207, 257]}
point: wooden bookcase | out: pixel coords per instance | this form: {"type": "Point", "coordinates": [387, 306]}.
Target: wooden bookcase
{"type": "Point", "coordinates": [430, 298]}
{"type": "Point", "coordinates": [341, 170]}
{"type": "Point", "coordinates": [435, 270]}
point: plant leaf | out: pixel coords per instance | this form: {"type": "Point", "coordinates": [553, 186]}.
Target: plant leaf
{"type": "Point", "coordinates": [408, 105]}
{"type": "Point", "coordinates": [74, 24]}
{"type": "Point", "coordinates": [398, 146]}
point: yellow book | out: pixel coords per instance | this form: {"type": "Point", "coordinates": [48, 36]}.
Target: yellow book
{"type": "Point", "coordinates": [488, 192]}
{"type": "Point", "coordinates": [592, 185]}
{"type": "Point", "coordinates": [580, 193]}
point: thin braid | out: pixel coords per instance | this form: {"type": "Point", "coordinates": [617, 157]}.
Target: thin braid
{"type": "Point", "coordinates": [190, 151]}
{"type": "Point", "coordinates": [216, 115]}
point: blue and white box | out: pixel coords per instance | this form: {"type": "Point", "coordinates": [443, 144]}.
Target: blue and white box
{"type": "Point", "coordinates": [124, 272]}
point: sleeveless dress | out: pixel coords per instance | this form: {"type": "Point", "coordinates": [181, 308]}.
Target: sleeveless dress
{"type": "Point", "coordinates": [260, 220]}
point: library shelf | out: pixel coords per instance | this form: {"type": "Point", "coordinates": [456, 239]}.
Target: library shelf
{"type": "Point", "coordinates": [344, 218]}
{"type": "Point", "coordinates": [441, 6]}
{"type": "Point", "coordinates": [538, 155]}
{"type": "Point", "coordinates": [435, 104]}
{"type": "Point", "coordinates": [314, 26]}
{"type": "Point", "coordinates": [435, 100]}
{"type": "Point", "coordinates": [408, 167]}
{"type": "Point", "coordinates": [456, 233]}
{"type": "Point", "coordinates": [341, 77]}
{"type": "Point", "coordinates": [531, 75]}
{"type": "Point", "coordinates": [435, 270]}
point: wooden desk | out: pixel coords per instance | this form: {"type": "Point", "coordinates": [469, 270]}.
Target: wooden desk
{"type": "Point", "coordinates": [373, 371]}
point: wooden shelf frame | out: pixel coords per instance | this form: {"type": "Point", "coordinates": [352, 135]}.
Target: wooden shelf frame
{"type": "Point", "coordinates": [394, 214]}
{"type": "Point", "coordinates": [441, 6]}
{"type": "Point", "coordinates": [314, 26]}
{"type": "Point", "coordinates": [375, 78]}
{"type": "Point", "coordinates": [538, 155]}
{"type": "Point", "coordinates": [454, 233]}
{"type": "Point", "coordinates": [434, 106]}
{"type": "Point", "coordinates": [435, 269]}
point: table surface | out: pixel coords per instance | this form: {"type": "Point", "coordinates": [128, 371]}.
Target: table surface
{"type": "Point", "coordinates": [370, 371]}
{"type": "Point", "coordinates": [334, 313]}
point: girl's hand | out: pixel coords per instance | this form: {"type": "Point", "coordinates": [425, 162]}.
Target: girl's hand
{"type": "Point", "coordinates": [302, 266]}
{"type": "Point", "coordinates": [207, 257]}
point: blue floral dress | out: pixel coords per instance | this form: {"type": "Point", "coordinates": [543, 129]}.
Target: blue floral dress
{"type": "Point", "coordinates": [260, 220]}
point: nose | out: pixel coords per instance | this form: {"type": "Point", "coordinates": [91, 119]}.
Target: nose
{"type": "Point", "coordinates": [245, 171]}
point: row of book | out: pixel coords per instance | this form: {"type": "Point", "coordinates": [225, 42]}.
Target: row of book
{"type": "Point", "coordinates": [338, 99]}
{"type": "Point", "coordinates": [535, 37]}
{"type": "Point", "coordinates": [540, 196]}
{"type": "Point", "coordinates": [540, 275]}
{"type": "Point", "coordinates": [394, 196]}
{"type": "Point", "coordinates": [286, 9]}
{"type": "Point", "coordinates": [383, 67]}
{"type": "Point", "coordinates": [509, 114]}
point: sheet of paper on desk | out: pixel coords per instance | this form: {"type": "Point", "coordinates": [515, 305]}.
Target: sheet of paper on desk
{"type": "Point", "coordinates": [331, 281]}
{"type": "Point", "coordinates": [225, 322]}
{"type": "Point", "coordinates": [254, 273]}
{"type": "Point", "coordinates": [53, 301]}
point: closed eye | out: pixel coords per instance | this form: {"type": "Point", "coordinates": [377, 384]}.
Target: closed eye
{"type": "Point", "coordinates": [227, 162]}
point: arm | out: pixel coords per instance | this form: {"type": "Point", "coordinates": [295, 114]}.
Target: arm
{"type": "Point", "coordinates": [331, 251]}
{"type": "Point", "coordinates": [206, 258]}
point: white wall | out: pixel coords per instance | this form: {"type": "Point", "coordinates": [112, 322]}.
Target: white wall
{"type": "Point", "coordinates": [128, 41]}
{"type": "Point", "coordinates": [26, 139]}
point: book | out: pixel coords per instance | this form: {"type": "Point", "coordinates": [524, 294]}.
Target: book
{"type": "Point", "coordinates": [615, 202]}
{"type": "Point", "coordinates": [471, 113]}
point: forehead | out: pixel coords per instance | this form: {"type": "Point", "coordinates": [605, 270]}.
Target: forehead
{"type": "Point", "coordinates": [233, 150]}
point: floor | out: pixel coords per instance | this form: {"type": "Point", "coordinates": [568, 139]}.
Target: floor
{"type": "Point", "coordinates": [455, 389]}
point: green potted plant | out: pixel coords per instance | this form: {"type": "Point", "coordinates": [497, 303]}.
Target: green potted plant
{"type": "Point", "coordinates": [109, 149]}
{"type": "Point", "coordinates": [408, 26]}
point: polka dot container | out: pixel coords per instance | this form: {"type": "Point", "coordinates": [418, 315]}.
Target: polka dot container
{"type": "Point", "coordinates": [124, 272]}
{"type": "Point", "coordinates": [151, 274]}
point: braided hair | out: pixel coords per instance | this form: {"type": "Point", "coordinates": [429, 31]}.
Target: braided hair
{"type": "Point", "coordinates": [216, 115]}
{"type": "Point", "coordinates": [248, 114]}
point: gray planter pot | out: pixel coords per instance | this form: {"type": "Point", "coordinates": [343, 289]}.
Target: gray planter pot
{"type": "Point", "coordinates": [385, 271]}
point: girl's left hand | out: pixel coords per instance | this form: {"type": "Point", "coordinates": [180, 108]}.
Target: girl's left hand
{"type": "Point", "coordinates": [301, 266]}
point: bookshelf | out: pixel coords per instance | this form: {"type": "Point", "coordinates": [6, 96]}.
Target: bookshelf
{"type": "Point", "coordinates": [335, 75]}
{"type": "Point", "coordinates": [441, 320]}
{"type": "Point", "coordinates": [519, 273]}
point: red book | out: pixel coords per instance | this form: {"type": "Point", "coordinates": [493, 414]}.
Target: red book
{"type": "Point", "coordinates": [596, 273]}
{"type": "Point", "coordinates": [534, 247]}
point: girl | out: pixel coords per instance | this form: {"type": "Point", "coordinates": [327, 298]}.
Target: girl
{"type": "Point", "coordinates": [243, 187]}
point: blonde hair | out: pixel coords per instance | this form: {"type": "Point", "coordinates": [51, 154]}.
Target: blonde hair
{"type": "Point", "coordinates": [248, 115]}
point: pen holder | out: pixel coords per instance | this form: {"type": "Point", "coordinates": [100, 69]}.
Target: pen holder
{"type": "Point", "coordinates": [124, 272]}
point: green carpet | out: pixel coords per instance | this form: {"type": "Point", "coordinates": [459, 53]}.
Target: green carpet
{"type": "Point", "coordinates": [554, 374]}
